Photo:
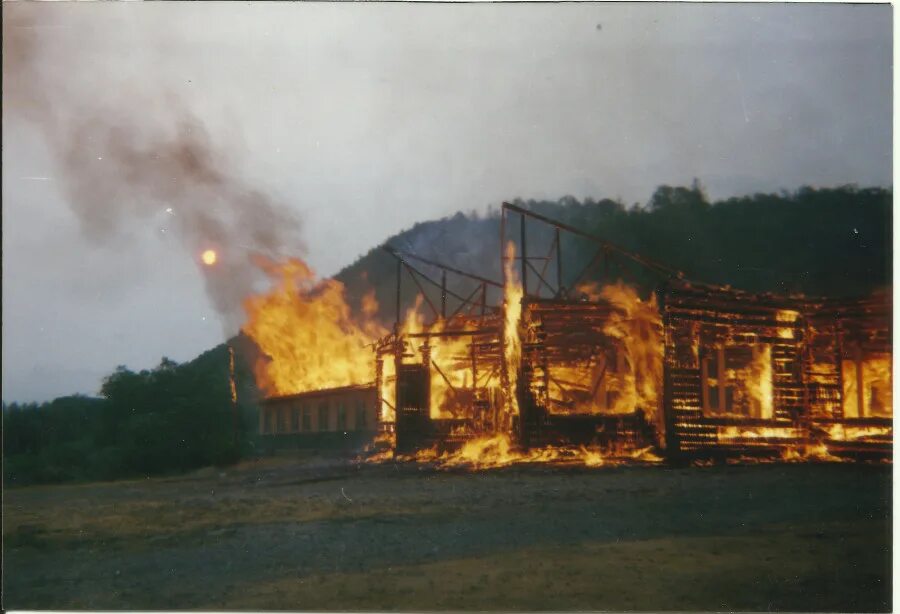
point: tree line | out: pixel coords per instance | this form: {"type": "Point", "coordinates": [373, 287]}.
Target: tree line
{"type": "Point", "coordinates": [165, 420]}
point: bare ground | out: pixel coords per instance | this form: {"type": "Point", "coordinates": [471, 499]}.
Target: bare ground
{"type": "Point", "coordinates": [303, 535]}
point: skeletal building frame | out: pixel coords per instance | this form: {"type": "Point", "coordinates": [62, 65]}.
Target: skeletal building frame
{"type": "Point", "coordinates": [698, 323]}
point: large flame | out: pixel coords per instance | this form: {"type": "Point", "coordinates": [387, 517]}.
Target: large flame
{"type": "Point", "coordinates": [451, 381]}
{"type": "Point", "coordinates": [512, 343]}
{"type": "Point", "coordinates": [638, 327]}
{"type": "Point", "coordinates": [307, 331]}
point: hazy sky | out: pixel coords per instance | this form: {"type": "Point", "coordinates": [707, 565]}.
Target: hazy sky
{"type": "Point", "coordinates": [365, 118]}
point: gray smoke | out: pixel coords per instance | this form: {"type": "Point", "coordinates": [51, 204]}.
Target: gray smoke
{"type": "Point", "coordinates": [125, 163]}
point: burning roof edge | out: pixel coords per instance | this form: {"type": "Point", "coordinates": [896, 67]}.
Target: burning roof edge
{"type": "Point", "coordinates": [321, 392]}
{"type": "Point", "coordinates": [878, 299]}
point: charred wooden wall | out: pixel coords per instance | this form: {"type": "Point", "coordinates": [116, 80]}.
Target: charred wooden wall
{"type": "Point", "coordinates": [698, 323]}
{"type": "Point", "coordinates": [803, 343]}
{"type": "Point", "coordinates": [741, 374]}
{"type": "Point", "coordinates": [848, 365]}
{"type": "Point", "coordinates": [430, 360]}
{"type": "Point", "coordinates": [568, 359]}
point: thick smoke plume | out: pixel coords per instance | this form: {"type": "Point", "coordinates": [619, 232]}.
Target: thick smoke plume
{"type": "Point", "coordinates": [125, 161]}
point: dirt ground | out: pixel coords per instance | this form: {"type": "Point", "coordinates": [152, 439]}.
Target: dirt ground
{"type": "Point", "coordinates": [302, 535]}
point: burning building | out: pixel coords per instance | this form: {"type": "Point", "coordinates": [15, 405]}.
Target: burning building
{"type": "Point", "coordinates": [589, 370]}
{"type": "Point", "coordinates": [548, 370]}
{"type": "Point", "coordinates": [440, 383]}
{"type": "Point", "coordinates": [338, 418]}
{"type": "Point", "coordinates": [749, 373]}
{"type": "Point", "coordinates": [848, 374]}
{"type": "Point", "coordinates": [316, 365]}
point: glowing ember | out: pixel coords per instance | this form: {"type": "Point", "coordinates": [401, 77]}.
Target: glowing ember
{"type": "Point", "coordinates": [496, 451]}
{"type": "Point", "coordinates": [209, 257]}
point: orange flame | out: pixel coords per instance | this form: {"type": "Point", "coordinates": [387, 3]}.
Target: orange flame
{"type": "Point", "coordinates": [637, 325]}
{"type": "Point", "coordinates": [497, 450]}
{"type": "Point", "coordinates": [451, 383]}
{"type": "Point", "coordinates": [309, 334]}
{"type": "Point", "coordinates": [512, 343]}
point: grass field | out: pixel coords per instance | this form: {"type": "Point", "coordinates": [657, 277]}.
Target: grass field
{"type": "Point", "coordinates": [304, 535]}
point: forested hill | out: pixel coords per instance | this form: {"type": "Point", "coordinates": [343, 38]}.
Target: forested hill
{"type": "Point", "coordinates": [828, 242]}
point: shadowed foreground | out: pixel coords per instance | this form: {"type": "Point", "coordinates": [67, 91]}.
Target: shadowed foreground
{"type": "Point", "coordinates": [305, 536]}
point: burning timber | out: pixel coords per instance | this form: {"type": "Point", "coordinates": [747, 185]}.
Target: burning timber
{"type": "Point", "coordinates": [763, 374]}
{"type": "Point", "coordinates": [544, 367]}
{"type": "Point", "coordinates": [586, 379]}
{"type": "Point", "coordinates": [442, 385]}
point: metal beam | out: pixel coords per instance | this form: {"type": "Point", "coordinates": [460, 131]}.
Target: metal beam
{"type": "Point", "coordinates": [649, 264]}
{"type": "Point", "coordinates": [559, 273]}
{"type": "Point", "coordinates": [467, 301]}
{"type": "Point", "coordinates": [400, 253]}
{"type": "Point", "coordinates": [421, 289]}
{"type": "Point", "coordinates": [399, 274]}
{"type": "Point", "coordinates": [590, 265]}
{"type": "Point", "coordinates": [544, 270]}
{"type": "Point", "coordinates": [443, 294]}
{"type": "Point", "coordinates": [402, 262]}
{"type": "Point", "coordinates": [524, 256]}
{"type": "Point", "coordinates": [540, 279]}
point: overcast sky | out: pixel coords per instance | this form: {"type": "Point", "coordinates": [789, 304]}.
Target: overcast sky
{"type": "Point", "coordinates": [362, 119]}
